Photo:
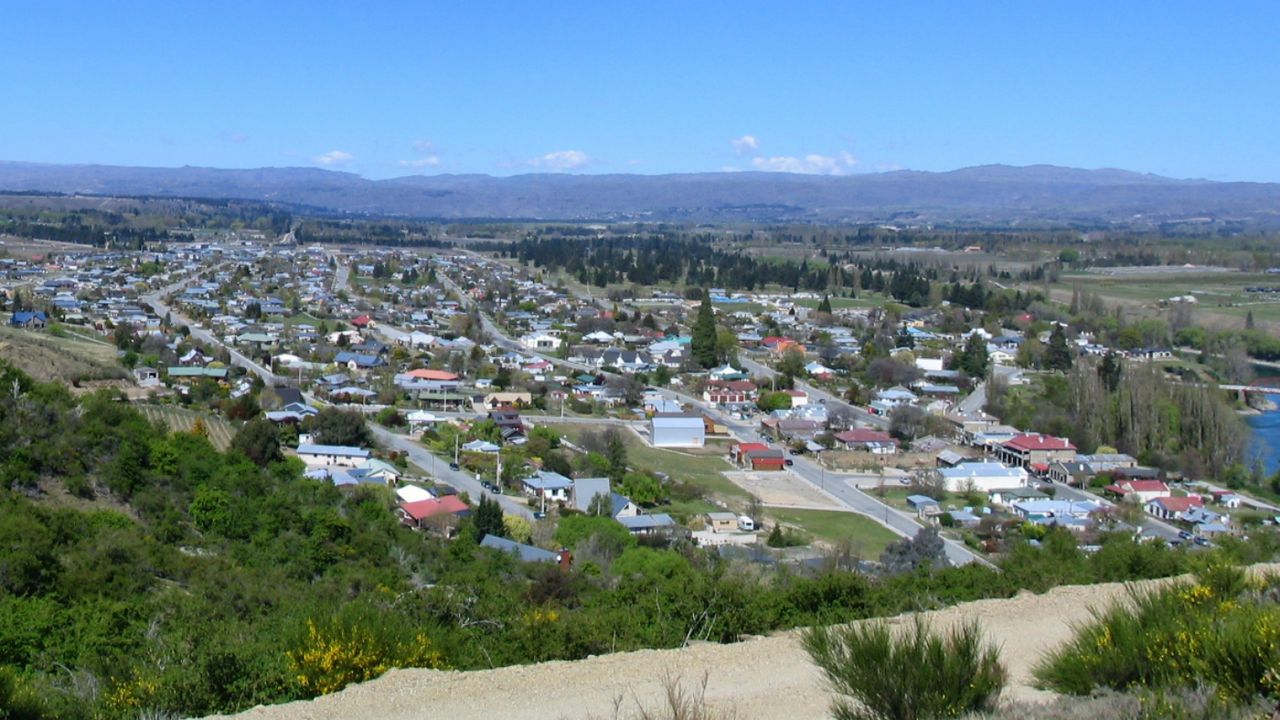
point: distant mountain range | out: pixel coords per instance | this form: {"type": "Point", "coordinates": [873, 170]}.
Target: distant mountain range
{"type": "Point", "coordinates": [989, 194]}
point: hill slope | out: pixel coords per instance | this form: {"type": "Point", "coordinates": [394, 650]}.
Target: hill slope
{"type": "Point", "coordinates": [764, 678]}
{"type": "Point", "coordinates": [994, 193]}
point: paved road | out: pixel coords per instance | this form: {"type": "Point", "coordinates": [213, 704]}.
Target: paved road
{"type": "Point", "coordinates": [439, 469]}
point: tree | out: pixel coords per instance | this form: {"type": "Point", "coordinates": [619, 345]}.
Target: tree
{"type": "Point", "coordinates": [926, 549]}
{"type": "Point", "coordinates": [488, 519]}
{"type": "Point", "coordinates": [825, 305]}
{"type": "Point", "coordinates": [259, 440]}
{"type": "Point", "coordinates": [502, 380]}
{"type": "Point", "coordinates": [1058, 355]}
{"type": "Point", "coordinates": [1110, 371]}
{"type": "Point", "coordinates": [339, 427]}
{"type": "Point", "coordinates": [973, 359]}
{"type": "Point", "coordinates": [703, 341]}
{"type": "Point", "coordinates": [791, 363]}
{"type": "Point", "coordinates": [616, 452]}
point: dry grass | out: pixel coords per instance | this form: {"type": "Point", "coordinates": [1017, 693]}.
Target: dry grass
{"type": "Point", "coordinates": [183, 420]}
{"type": "Point", "coordinates": [46, 357]}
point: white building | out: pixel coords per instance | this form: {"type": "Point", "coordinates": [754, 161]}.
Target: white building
{"type": "Point", "coordinates": [677, 430]}
{"type": "Point", "coordinates": [982, 477]}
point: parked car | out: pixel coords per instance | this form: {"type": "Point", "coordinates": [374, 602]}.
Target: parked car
{"type": "Point", "coordinates": [453, 466]}
{"type": "Point", "coordinates": [1184, 534]}
{"type": "Point", "coordinates": [788, 462]}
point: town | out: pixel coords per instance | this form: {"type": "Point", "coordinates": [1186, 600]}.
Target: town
{"type": "Point", "coordinates": [764, 424]}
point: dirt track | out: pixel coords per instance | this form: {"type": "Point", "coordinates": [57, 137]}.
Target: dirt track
{"type": "Point", "coordinates": [763, 678]}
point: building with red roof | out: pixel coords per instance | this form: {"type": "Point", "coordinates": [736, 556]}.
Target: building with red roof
{"type": "Point", "coordinates": [442, 515]}
{"type": "Point", "coordinates": [1036, 452]}
{"type": "Point", "coordinates": [429, 374]}
{"type": "Point", "coordinates": [1172, 508]}
{"type": "Point", "coordinates": [739, 451]}
{"type": "Point", "coordinates": [1139, 491]}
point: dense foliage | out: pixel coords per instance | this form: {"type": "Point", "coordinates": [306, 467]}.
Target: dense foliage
{"type": "Point", "coordinates": [1222, 630]}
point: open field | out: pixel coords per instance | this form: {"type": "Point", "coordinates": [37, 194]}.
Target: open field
{"type": "Point", "coordinates": [782, 489]}
{"type": "Point", "coordinates": [29, 248]}
{"type": "Point", "coordinates": [1222, 299]}
{"type": "Point", "coordinates": [47, 357]}
{"type": "Point", "coordinates": [868, 537]}
{"type": "Point", "coordinates": [183, 420]}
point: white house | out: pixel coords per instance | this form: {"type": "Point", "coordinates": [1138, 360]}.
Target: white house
{"type": "Point", "coordinates": [982, 477]}
{"type": "Point", "coordinates": [540, 342]}
{"type": "Point", "coordinates": [322, 455]}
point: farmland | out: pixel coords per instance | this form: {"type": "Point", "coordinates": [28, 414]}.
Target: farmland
{"type": "Point", "coordinates": [1222, 298]}
{"type": "Point", "coordinates": [179, 419]}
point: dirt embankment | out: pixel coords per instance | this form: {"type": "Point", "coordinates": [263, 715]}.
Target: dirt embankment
{"type": "Point", "coordinates": [768, 677]}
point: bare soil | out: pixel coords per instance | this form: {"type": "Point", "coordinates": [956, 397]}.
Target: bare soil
{"type": "Point", "coordinates": [766, 678]}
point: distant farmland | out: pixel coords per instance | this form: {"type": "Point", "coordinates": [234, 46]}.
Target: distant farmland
{"type": "Point", "coordinates": [183, 420]}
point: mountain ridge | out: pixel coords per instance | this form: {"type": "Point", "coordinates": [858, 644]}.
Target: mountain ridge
{"type": "Point", "coordinates": [985, 193]}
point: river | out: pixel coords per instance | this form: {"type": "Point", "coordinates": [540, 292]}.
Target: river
{"type": "Point", "coordinates": [1265, 440]}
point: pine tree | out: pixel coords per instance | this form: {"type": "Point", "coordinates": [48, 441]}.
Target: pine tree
{"type": "Point", "coordinates": [703, 343]}
{"type": "Point", "coordinates": [1248, 321]}
{"type": "Point", "coordinates": [825, 305]}
{"type": "Point", "coordinates": [1058, 355]}
{"type": "Point", "coordinates": [488, 519]}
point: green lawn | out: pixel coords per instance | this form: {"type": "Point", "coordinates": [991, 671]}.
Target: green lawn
{"type": "Point", "coordinates": [703, 469]}
{"type": "Point", "coordinates": [868, 536]}
{"type": "Point", "coordinates": [865, 300]}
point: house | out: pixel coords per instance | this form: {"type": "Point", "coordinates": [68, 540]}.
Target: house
{"type": "Point", "coordinates": [722, 522]}
{"type": "Point", "coordinates": [768, 460]}
{"type": "Point", "coordinates": [358, 361]}
{"type": "Point", "coordinates": [522, 552]}
{"type": "Point", "coordinates": [650, 524]}
{"type": "Point", "coordinates": [435, 375]}
{"type": "Point", "coordinates": [729, 392]}
{"type": "Point", "coordinates": [874, 441]}
{"type": "Point", "coordinates": [412, 493]}
{"type": "Point", "coordinates": [541, 342]}
{"type": "Point", "coordinates": [681, 430]}
{"type": "Point", "coordinates": [548, 485]}
{"type": "Point", "coordinates": [29, 319]}
{"type": "Point", "coordinates": [739, 451]}
{"type": "Point", "coordinates": [146, 377]}
{"type": "Point", "coordinates": [321, 455]}
{"type": "Point", "coordinates": [1172, 508]}
{"type": "Point", "coordinates": [1060, 510]}
{"type": "Point", "coordinates": [923, 505]}
{"type": "Point", "coordinates": [187, 374]}
{"type": "Point", "coordinates": [586, 490]}
{"type": "Point", "coordinates": [1036, 452]}
{"type": "Point", "coordinates": [495, 400]}
{"type": "Point", "coordinates": [1139, 491]}
{"type": "Point", "coordinates": [442, 515]}
{"type": "Point", "coordinates": [982, 477]}
{"type": "Point", "coordinates": [1007, 497]}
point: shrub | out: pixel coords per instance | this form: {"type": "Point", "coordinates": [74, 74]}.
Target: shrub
{"type": "Point", "coordinates": [915, 675]}
{"type": "Point", "coordinates": [354, 646]}
{"type": "Point", "coordinates": [17, 700]}
{"type": "Point", "coordinates": [1215, 631]}
{"type": "Point", "coordinates": [1179, 704]}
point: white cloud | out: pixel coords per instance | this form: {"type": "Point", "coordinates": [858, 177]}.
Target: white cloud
{"type": "Point", "coordinates": [424, 147]}
{"type": "Point", "coordinates": [745, 144]}
{"type": "Point", "coordinates": [561, 160]}
{"type": "Point", "coordinates": [807, 165]}
{"type": "Point", "coordinates": [428, 161]}
{"type": "Point", "coordinates": [334, 157]}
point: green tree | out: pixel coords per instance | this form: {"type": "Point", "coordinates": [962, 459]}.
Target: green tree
{"type": "Point", "coordinates": [332, 426]}
{"type": "Point", "coordinates": [1058, 355]}
{"type": "Point", "coordinates": [487, 519]}
{"type": "Point", "coordinates": [616, 453]}
{"type": "Point", "coordinates": [825, 305]}
{"type": "Point", "coordinates": [259, 440]}
{"type": "Point", "coordinates": [703, 341]}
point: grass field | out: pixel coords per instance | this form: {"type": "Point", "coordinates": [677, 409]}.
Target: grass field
{"type": "Point", "coordinates": [703, 469]}
{"type": "Point", "coordinates": [1221, 297]}
{"type": "Point", "coordinates": [864, 300]}
{"type": "Point", "coordinates": [869, 538]}
{"type": "Point", "coordinates": [48, 357]}
{"type": "Point", "coordinates": [183, 420]}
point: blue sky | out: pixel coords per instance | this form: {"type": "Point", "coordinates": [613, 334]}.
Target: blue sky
{"type": "Point", "coordinates": [385, 89]}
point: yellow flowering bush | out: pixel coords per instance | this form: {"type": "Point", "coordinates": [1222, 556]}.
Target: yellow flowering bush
{"type": "Point", "coordinates": [345, 651]}
{"type": "Point", "coordinates": [1219, 630]}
